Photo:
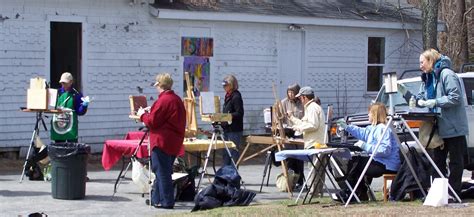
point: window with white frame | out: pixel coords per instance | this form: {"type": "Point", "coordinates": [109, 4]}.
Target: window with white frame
{"type": "Point", "coordinates": [375, 62]}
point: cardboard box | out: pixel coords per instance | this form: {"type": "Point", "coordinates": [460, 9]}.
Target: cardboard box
{"type": "Point", "coordinates": [37, 99]}
{"type": "Point", "coordinates": [37, 83]}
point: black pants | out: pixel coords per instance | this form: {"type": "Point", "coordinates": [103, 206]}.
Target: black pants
{"type": "Point", "coordinates": [296, 165]}
{"type": "Point", "coordinates": [356, 167]}
{"type": "Point", "coordinates": [456, 147]}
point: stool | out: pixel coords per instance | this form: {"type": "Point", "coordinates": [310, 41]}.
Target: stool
{"type": "Point", "coordinates": [386, 178]}
{"type": "Point", "coordinates": [391, 177]}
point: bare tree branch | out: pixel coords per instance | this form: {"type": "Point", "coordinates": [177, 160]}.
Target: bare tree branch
{"type": "Point", "coordinates": [466, 13]}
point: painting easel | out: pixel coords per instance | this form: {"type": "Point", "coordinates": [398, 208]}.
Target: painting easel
{"type": "Point", "coordinates": [190, 106]}
{"type": "Point", "coordinates": [278, 134]}
{"type": "Point", "coordinates": [210, 112]}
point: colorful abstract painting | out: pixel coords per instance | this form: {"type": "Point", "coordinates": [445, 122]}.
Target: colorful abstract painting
{"type": "Point", "coordinates": [199, 72]}
{"type": "Point", "coordinates": [202, 47]}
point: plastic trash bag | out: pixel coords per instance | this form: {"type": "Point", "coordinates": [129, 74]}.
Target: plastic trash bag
{"type": "Point", "coordinates": [140, 176]}
{"type": "Point", "coordinates": [58, 151]}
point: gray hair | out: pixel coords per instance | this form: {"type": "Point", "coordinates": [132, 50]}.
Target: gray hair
{"type": "Point", "coordinates": [231, 81]}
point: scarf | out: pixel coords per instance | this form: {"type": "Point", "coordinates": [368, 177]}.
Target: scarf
{"type": "Point", "coordinates": [431, 81]}
{"type": "Point", "coordinates": [228, 96]}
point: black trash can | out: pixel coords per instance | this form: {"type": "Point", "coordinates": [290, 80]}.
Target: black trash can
{"type": "Point", "coordinates": [68, 170]}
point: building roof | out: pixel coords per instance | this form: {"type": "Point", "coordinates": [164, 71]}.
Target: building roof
{"type": "Point", "coordinates": [367, 10]}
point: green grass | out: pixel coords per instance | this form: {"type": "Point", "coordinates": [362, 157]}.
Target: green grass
{"type": "Point", "coordinates": [325, 206]}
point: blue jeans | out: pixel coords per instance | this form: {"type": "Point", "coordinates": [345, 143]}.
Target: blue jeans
{"type": "Point", "coordinates": [235, 137]}
{"type": "Point", "coordinates": [162, 191]}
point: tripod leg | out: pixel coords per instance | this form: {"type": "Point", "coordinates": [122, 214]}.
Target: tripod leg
{"type": "Point", "coordinates": [32, 142]}
{"type": "Point", "coordinates": [123, 171]}
{"type": "Point", "coordinates": [44, 124]}
{"type": "Point", "coordinates": [412, 170]}
{"type": "Point", "coordinates": [203, 172]}
{"type": "Point", "coordinates": [228, 151]}
{"type": "Point", "coordinates": [265, 169]}
{"type": "Point", "coordinates": [27, 156]}
{"type": "Point", "coordinates": [269, 169]}
{"type": "Point", "coordinates": [118, 181]}
{"type": "Point", "coordinates": [232, 159]}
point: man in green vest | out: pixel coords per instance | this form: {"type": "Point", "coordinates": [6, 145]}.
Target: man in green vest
{"type": "Point", "coordinates": [65, 125]}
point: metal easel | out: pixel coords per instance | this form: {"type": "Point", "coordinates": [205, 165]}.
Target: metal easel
{"type": "Point", "coordinates": [216, 133]}
{"type": "Point", "coordinates": [123, 171]}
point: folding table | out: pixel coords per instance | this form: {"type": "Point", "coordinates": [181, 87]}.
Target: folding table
{"type": "Point", "coordinates": [307, 155]}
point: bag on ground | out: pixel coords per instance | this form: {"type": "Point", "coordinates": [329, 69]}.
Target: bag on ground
{"type": "Point", "coordinates": [34, 173]}
{"type": "Point", "coordinates": [281, 181]}
{"type": "Point", "coordinates": [438, 194]}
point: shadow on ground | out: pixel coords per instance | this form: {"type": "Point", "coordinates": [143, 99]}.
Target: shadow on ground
{"type": "Point", "coordinates": [7, 193]}
{"type": "Point", "coordinates": [107, 198]}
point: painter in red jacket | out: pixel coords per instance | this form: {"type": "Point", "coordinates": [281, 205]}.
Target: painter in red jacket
{"type": "Point", "coordinates": [166, 121]}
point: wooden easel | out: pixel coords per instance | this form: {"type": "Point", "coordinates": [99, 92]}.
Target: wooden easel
{"type": "Point", "coordinates": [278, 134]}
{"type": "Point", "coordinates": [190, 106]}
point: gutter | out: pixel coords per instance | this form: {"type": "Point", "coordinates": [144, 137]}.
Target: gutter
{"type": "Point", "coordinates": [170, 14]}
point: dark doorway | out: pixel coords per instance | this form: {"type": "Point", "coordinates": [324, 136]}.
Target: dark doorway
{"type": "Point", "coordinates": [66, 52]}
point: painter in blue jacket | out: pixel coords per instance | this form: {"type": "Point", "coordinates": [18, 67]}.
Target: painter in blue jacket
{"type": "Point", "coordinates": [441, 91]}
{"type": "Point", "coordinates": [386, 157]}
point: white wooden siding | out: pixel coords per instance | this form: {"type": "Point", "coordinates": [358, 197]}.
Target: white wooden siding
{"type": "Point", "coordinates": [249, 51]}
{"type": "Point", "coordinates": [119, 60]}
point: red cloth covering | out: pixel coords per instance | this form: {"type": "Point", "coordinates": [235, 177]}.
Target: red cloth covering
{"type": "Point", "coordinates": [135, 135]}
{"type": "Point", "coordinates": [115, 149]}
{"type": "Point", "coordinates": [166, 122]}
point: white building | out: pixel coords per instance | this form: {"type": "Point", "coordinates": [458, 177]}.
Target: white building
{"type": "Point", "coordinates": [114, 46]}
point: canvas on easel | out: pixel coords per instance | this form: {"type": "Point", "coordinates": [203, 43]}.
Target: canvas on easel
{"type": "Point", "coordinates": [209, 106]}
{"type": "Point", "coordinates": [135, 103]}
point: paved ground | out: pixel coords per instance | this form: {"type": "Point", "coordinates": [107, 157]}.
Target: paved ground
{"type": "Point", "coordinates": [21, 199]}
{"type": "Point", "coordinates": [35, 196]}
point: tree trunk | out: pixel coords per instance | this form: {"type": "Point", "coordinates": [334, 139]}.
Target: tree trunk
{"type": "Point", "coordinates": [470, 28]}
{"type": "Point", "coordinates": [430, 22]}
{"type": "Point", "coordinates": [453, 42]}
